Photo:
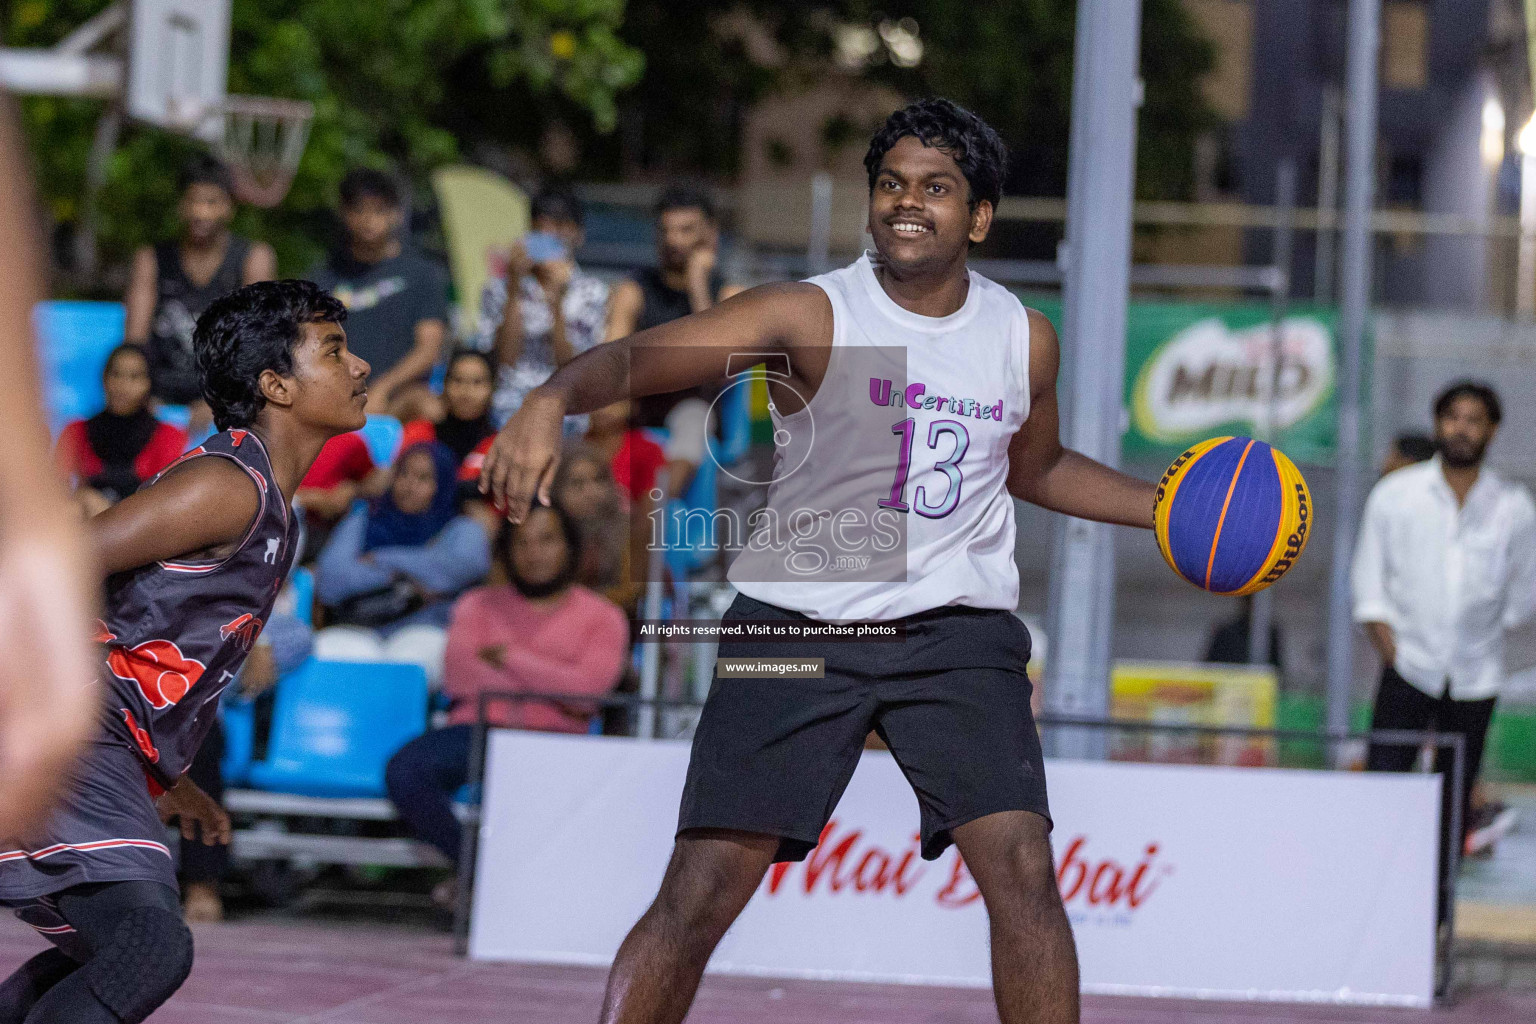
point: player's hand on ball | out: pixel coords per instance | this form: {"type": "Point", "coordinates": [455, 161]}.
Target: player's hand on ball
{"type": "Point", "coordinates": [522, 461]}
{"type": "Point", "coordinates": [193, 807]}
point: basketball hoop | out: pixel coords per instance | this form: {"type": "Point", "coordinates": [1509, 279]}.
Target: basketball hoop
{"type": "Point", "coordinates": [261, 144]}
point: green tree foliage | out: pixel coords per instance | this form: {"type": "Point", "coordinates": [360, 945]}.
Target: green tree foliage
{"type": "Point", "coordinates": [376, 71]}
{"type": "Point", "coordinates": [1012, 64]}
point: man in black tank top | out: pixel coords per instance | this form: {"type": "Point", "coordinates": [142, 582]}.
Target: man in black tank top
{"type": "Point", "coordinates": [686, 280]}
{"type": "Point", "coordinates": [174, 281]}
{"type": "Point", "coordinates": [193, 564]}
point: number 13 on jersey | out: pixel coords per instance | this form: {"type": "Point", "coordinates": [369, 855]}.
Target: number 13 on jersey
{"type": "Point", "coordinates": [949, 466]}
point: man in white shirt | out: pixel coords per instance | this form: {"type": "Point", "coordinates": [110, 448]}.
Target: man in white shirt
{"type": "Point", "coordinates": [1445, 564]}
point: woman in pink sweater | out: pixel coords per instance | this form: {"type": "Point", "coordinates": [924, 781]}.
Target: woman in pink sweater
{"type": "Point", "coordinates": [542, 634]}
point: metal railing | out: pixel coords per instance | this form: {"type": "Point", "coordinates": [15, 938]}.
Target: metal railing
{"type": "Point", "coordinates": [1447, 860]}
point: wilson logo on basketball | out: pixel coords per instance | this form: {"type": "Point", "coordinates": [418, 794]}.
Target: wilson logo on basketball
{"type": "Point", "coordinates": [242, 631]}
{"type": "Point", "coordinates": [845, 862]}
{"type": "Point", "coordinates": [1297, 540]}
{"type": "Point", "coordinates": [162, 672]}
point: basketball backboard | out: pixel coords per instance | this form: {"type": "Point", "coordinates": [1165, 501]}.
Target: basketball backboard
{"type": "Point", "coordinates": [178, 64]}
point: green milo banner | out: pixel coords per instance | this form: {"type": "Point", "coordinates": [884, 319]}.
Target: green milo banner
{"type": "Point", "coordinates": [1194, 371]}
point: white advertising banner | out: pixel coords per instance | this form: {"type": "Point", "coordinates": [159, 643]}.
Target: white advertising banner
{"type": "Point", "coordinates": [1241, 883]}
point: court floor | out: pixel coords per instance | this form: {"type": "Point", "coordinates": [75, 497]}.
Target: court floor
{"type": "Point", "coordinates": [265, 972]}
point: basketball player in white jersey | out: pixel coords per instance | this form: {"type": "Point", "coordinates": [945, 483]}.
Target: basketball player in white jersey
{"type": "Point", "coordinates": [952, 382]}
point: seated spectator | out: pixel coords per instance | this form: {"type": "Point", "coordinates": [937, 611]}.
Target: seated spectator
{"type": "Point", "coordinates": [396, 298]}
{"type": "Point", "coordinates": [463, 419]}
{"type": "Point", "coordinates": [552, 312]}
{"type": "Point", "coordinates": [389, 573]}
{"type": "Point", "coordinates": [342, 473]}
{"type": "Point", "coordinates": [122, 446]}
{"type": "Point", "coordinates": [685, 280]}
{"type": "Point", "coordinates": [633, 456]}
{"type": "Point", "coordinates": [544, 633]}
{"type": "Point", "coordinates": [584, 487]}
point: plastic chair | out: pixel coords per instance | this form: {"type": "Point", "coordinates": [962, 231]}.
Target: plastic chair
{"type": "Point", "coordinates": [734, 410]}
{"type": "Point", "coordinates": [176, 416]}
{"type": "Point", "coordinates": [336, 724]}
{"type": "Point", "coordinates": [303, 583]}
{"type": "Point", "coordinates": [690, 523]}
{"type": "Point", "coordinates": [75, 338]}
{"type": "Point", "coordinates": [239, 718]}
{"type": "Point", "coordinates": [383, 434]}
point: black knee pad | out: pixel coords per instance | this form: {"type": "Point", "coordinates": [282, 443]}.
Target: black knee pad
{"type": "Point", "coordinates": [150, 955]}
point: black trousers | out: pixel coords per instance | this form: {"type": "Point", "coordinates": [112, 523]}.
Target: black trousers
{"type": "Point", "coordinates": [200, 862]}
{"type": "Point", "coordinates": [1401, 705]}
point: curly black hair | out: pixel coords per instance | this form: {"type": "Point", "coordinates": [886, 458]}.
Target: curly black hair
{"type": "Point", "coordinates": [1471, 389]}
{"type": "Point", "coordinates": [974, 145]}
{"type": "Point", "coordinates": [250, 330]}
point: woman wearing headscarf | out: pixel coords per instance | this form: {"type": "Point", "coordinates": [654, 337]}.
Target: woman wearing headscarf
{"type": "Point", "coordinates": [464, 425]}
{"type": "Point", "coordinates": [389, 574]}
{"type": "Point", "coordinates": [114, 452]}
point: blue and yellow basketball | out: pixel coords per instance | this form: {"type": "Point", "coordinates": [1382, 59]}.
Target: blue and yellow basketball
{"type": "Point", "coordinates": [1232, 515]}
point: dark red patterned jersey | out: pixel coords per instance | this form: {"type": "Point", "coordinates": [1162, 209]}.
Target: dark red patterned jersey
{"type": "Point", "coordinates": [175, 633]}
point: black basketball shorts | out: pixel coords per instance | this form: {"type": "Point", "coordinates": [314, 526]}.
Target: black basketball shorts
{"type": "Point", "coordinates": [951, 701]}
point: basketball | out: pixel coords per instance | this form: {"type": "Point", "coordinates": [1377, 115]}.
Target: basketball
{"type": "Point", "coordinates": [1232, 515]}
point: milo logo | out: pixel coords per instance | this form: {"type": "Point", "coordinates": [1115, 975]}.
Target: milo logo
{"type": "Point", "coordinates": [1297, 540]}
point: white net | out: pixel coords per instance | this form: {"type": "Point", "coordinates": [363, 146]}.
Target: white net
{"type": "Point", "coordinates": [262, 143]}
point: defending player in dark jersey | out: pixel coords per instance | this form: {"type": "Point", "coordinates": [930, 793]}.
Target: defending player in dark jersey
{"type": "Point", "coordinates": [194, 562]}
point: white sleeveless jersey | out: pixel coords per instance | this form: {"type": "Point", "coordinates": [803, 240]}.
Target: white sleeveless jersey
{"type": "Point", "coordinates": [902, 457]}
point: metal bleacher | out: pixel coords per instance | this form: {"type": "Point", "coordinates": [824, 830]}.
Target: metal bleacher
{"type": "Point", "coordinates": [334, 727]}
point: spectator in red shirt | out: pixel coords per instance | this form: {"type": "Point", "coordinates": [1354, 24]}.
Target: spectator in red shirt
{"type": "Point", "coordinates": [542, 634]}
{"type": "Point", "coordinates": [343, 472]}
{"type": "Point", "coordinates": [635, 458]}
{"type": "Point", "coordinates": [122, 446]}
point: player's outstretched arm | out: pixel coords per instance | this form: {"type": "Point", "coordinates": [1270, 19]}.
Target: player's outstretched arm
{"type": "Point", "coordinates": [676, 356]}
{"type": "Point", "coordinates": [199, 509]}
{"type": "Point", "coordinates": [48, 592]}
{"type": "Point", "coordinates": [1044, 473]}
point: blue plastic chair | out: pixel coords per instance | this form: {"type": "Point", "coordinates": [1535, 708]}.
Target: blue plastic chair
{"type": "Point", "coordinates": [383, 434]}
{"type": "Point", "coordinates": [303, 583]}
{"type": "Point", "coordinates": [735, 415]}
{"type": "Point", "coordinates": [75, 338]}
{"type": "Point", "coordinates": [176, 416]}
{"type": "Point", "coordinates": [335, 725]}
{"type": "Point", "coordinates": [689, 546]}
{"type": "Point", "coordinates": [239, 718]}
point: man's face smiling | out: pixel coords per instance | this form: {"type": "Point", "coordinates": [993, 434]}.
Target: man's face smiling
{"type": "Point", "coordinates": [920, 214]}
